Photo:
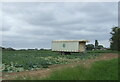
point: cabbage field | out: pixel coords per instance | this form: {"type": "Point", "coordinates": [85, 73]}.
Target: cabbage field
{"type": "Point", "coordinates": [25, 60]}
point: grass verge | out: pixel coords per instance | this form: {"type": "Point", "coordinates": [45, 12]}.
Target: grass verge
{"type": "Point", "coordinates": [100, 70]}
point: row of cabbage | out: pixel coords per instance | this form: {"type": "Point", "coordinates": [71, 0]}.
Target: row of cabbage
{"type": "Point", "coordinates": [16, 61]}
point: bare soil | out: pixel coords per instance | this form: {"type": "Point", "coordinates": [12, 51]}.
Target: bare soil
{"type": "Point", "coordinates": [47, 71]}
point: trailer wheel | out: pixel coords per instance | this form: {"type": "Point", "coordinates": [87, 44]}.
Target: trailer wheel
{"type": "Point", "coordinates": [65, 53]}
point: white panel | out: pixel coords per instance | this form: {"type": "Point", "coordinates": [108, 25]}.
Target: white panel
{"type": "Point", "coordinates": [65, 46]}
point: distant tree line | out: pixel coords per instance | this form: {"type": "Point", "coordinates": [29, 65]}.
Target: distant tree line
{"type": "Point", "coordinates": [94, 47]}
{"type": "Point", "coordinates": [3, 48]}
{"type": "Point", "coordinates": [114, 41]}
{"type": "Point", "coordinates": [12, 49]}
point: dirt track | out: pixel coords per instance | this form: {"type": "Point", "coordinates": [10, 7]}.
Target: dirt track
{"type": "Point", "coordinates": [45, 72]}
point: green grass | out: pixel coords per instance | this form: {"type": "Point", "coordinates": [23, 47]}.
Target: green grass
{"type": "Point", "coordinates": [100, 70]}
{"type": "Point", "coordinates": [103, 51]}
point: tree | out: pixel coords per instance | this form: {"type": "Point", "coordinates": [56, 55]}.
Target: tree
{"type": "Point", "coordinates": [2, 48]}
{"type": "Point", "coordinates": [115, 39]}
{"type": "Point", "coordinates": [90, 47]}
{"type": "Point", "coordinates": [96, 44]}
{"type": "Point", "coordinates": [100, 47]}
{"type": "Point", "coordinates": [11, 49]}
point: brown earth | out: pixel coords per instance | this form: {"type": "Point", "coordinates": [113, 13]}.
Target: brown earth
{"type": "Point", "coordinates": [47, 71]}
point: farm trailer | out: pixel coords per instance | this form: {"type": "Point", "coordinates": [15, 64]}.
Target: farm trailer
{"type": "Point", "coordinates": [69, 46]}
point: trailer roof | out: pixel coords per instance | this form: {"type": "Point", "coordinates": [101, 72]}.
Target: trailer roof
{"type": "Point", "coordinates": [70, 41]}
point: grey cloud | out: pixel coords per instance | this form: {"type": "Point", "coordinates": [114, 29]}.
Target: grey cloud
{"type": "Point", "coordinates": [40, 23]}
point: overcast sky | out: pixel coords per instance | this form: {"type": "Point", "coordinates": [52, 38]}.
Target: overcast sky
{"type": "Point", "coordinates": [35, 25]}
